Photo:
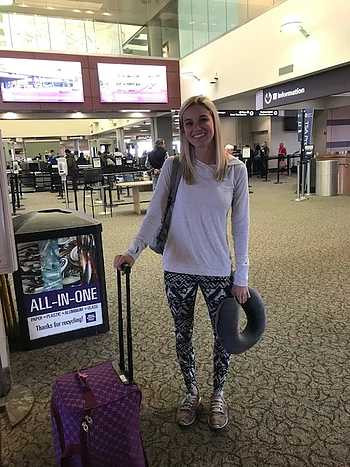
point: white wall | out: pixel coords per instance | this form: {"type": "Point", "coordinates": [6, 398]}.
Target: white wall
{"type": "Point", "coordinates": [63, 127]}
{"type": "Point", "coordinates": [249, 57]}
{"type": "Point", "coordinates": [228, 131]}
{"type": "Point", "coordinates": [278, 135]}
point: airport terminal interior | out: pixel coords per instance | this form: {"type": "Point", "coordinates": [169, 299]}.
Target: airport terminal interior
{"type": "Point", "coordinates": [90, 97]}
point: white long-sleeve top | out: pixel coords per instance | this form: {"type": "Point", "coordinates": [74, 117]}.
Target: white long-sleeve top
{"type": "Point", "coordinates": [197, 240]}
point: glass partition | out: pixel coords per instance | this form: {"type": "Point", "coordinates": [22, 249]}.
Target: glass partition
{"type": "Point", "coordinates": [50, 34]}
{"type": "Point", "coordinates": [202, 21]}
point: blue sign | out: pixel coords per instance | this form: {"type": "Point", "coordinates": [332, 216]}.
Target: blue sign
{"type": "Point", "coordinates": [308, 124]}
{"type": "Point", "coordinates": [61, 290]}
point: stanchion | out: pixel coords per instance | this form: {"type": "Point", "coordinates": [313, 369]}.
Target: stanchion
{"type": "Point", "coordinates": [20, 186]}
{"type": "Point", "coordinates": [249, 186]}
{"type": "Point", "coordinates": [278, 171]}
{"type": "Point", "coordinates": [308, 178]}
{"type": "Point", "coordinates": [17, 191]}
{"type": "Point", "coordinates": [13, 196]}
{"type": "Point", "coordinates": [65, 189]}
{"type": "Point", "coordinates": [302, 179]}
{"type": "Point", "coordinates": [75, 196]}
{"type": "Point", "coordinates": [266, 166]}
{"type": "Point", "coordinates": [300, 195]}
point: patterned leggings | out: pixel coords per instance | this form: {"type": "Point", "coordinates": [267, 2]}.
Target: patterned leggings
{"type": "Point", "coordinates": [181, 291]}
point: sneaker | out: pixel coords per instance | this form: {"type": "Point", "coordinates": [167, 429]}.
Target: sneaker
{"type": "Point", "coordinates": [188, 409]}
{"type": "Point", "coordinates": [218, 415]}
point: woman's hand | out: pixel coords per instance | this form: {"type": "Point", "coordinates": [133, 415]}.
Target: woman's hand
{"type": "Point", "coordinates": [119, 260]}
{"type": "Point", "coordinates": [241, 293]}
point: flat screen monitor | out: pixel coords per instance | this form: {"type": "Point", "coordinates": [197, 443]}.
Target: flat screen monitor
{"type": "Point", "coordinates": [31, 80]}
{"type": "Point", "coordinates": [290, 123]}
{"type": "Point", "coordinates": [132, 83]}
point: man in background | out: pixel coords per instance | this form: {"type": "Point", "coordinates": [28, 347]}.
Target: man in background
{"type": "Point", "coordinates": [156, 160]}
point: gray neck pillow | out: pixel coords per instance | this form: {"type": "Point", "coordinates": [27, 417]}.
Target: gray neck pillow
{"type": "Point", "coordinates": [227, 323]}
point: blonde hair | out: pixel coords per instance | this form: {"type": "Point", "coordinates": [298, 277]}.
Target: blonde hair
{"type": "Point", "coordinates": [187, 150]}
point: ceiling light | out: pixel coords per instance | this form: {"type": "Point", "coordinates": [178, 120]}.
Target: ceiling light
{"type": "Point", "coordinates": [76, 11]}
{"type": "Point", "coordinates": [294, 26]}
{"type": "Point", "coordinates": [10, 115]}
{"type": "Point", "coordinates": [134, 110]}
{"type": "Point", "coordinates": [105, 13]}
{"type": "Point", "coordinates": [77, 115]}
{"type": "Point", "coordinates": [23, 5]}
{"type": "Point", "coordinates": [89, 12]}
{"type": "Point", "coordinates": [50, 8]}
{"type": "Point", "coordinates": [6, 2]}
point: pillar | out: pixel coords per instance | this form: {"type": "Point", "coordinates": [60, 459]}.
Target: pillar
{"type": "Point", "coordinates": [155, 38]}
{"type": "Point", "coordinates": [119, 136]}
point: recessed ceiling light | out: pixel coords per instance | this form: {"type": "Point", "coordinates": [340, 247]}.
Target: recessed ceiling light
{"type": "Point", "coordinates": [134, 110]}
{"type": "Point", "coordinates": [76, 11]}
{"type": "Point", "coordinates": [105, 13]}
{"type": "Point", "coordinates": [89, 12]}
{"type": "Point", "coordinates": [50, 8]}
{"type": "Point", "coordinates": [10, 115]}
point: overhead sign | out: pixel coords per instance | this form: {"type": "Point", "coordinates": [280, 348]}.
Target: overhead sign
{"type": "Point", "coordinates": [323, 84]}
{"type": "Point", "coordinates": [248, 113]}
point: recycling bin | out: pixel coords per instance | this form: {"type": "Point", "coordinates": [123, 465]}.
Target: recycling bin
{"type": "Point", "coordinates": [60, 282]}
{"type": "Point", "coordinates": [326, 177]}
{"type": "Point", "coordinates": [344, 177]}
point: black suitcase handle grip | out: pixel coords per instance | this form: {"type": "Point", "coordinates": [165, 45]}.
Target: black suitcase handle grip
{"type": "Point", "coordinates": [129, 373]}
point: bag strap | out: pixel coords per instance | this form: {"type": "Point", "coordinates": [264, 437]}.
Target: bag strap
{"type": "Point", "coordinates": [175, 177]}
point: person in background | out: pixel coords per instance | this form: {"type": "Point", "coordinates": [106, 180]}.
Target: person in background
{"type": "Point", "coordinates": [265, 151]}
{"type": "Point", "coordinates": [257, 160]}
{"type": "Point", "coordinates": [52, 159]}
{"type": "Point", "coordinates": [143, 159]}
{"type": "Point", "coordinates": [81, 159]}
{"type": "Point", "coordinates": [197, 252]}
{"type": "Point", "coordinates": [156, 159]}
{"type": "Point", "coordinates": [229, 150]}
{"type": "Point", "coordinates": [73, 169]}
{"type": "Point", "coordinates": [282, 155]}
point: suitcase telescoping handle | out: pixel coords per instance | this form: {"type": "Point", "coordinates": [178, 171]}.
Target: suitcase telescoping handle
{"type": "Point", "coordinates": [129, 373]}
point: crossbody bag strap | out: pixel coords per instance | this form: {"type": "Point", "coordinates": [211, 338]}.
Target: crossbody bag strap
{"type": "Point", "coordinates": [233, 163]}
{"type": "Point", "coordinates": [175, 177]}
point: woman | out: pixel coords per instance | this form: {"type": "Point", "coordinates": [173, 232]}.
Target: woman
{"type": "Point", "coordinates": [282, 154]}
{"type": "Point", "coordinates": [196, 253]}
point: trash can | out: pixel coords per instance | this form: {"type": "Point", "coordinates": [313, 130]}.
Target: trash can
{"type": "Point", "coordinates": [60, 283]}
{"type": "Point", "coordinates": [344, 177]}
{"type": "Point", "coordinates": [327, 178]}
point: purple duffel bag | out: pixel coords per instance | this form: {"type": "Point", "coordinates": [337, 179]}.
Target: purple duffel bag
{"type": "Point", "coordinates": [96, 420]}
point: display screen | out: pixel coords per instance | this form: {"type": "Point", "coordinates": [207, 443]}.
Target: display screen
{"type": "Point", "coordinates": [29, 80]}
{"type": "Point", "coordinates": [132, 83]}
